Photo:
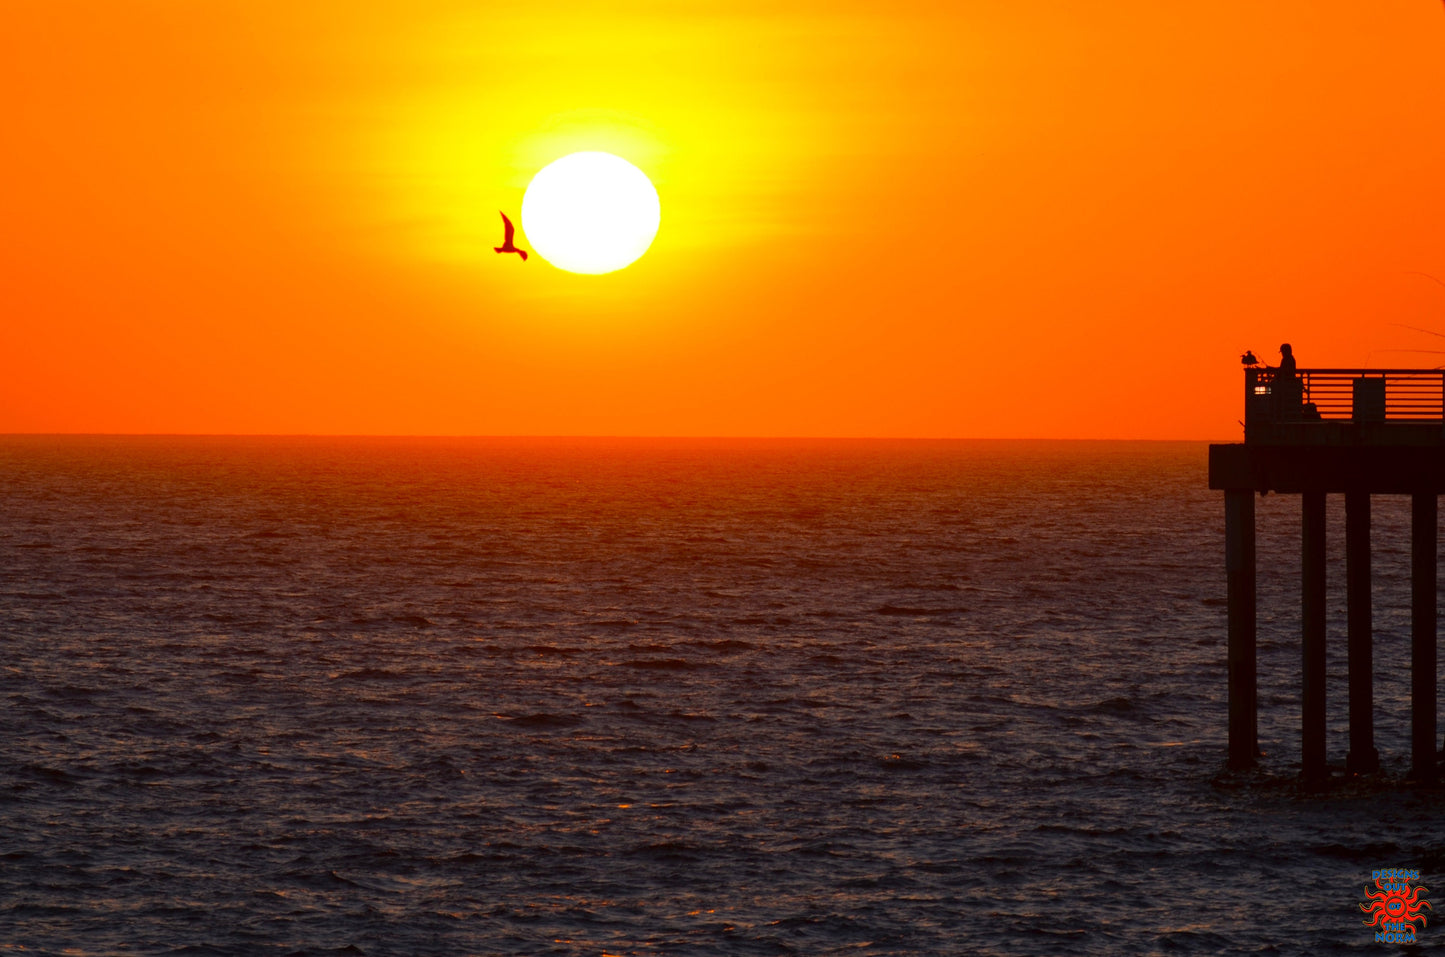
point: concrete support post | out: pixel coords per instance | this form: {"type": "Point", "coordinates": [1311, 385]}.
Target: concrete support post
{"type": "Point", "coordinates": [1362, 757]}
{"type": "Point", "coordinates": [1423, 514]}
{"type": "Point", "coordinates": [1239, 565]}
{"type": "Point", "coordinates": [1312, 638]}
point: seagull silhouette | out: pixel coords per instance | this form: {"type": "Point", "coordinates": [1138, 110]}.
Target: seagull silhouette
{"type": "Point", "coordinates": [507, 246]}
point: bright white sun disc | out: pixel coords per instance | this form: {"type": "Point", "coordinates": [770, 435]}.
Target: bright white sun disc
{"type": "Point", "coordinates": [590, 213]}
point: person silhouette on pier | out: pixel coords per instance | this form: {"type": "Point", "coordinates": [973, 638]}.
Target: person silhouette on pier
{"type": "Point", "coordinates": [1286, 360]}
{"type": "Point", "coordinates": [1289, 396]}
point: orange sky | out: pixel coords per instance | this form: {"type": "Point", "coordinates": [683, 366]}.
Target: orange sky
{"type": "Point", "coordinates": [983, 219]}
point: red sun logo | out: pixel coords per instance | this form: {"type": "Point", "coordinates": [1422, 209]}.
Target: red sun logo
{"type": "Point", "coordinates": [1395, 903]}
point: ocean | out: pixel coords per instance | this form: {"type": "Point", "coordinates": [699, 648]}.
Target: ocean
{"type": "Point", "coordinates": [684, 697]}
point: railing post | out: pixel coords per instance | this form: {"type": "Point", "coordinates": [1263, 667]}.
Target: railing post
{"type": "Point", "coordinates": [1251, 380]}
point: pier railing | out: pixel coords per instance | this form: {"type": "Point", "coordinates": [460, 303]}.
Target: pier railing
{"type": "Point", "coordinates": [1313, 404]}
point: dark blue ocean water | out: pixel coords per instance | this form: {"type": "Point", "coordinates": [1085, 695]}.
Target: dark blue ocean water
{"type": "Point", "coordinates": [413, 697]}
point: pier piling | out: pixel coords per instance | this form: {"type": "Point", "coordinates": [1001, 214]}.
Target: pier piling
{"type": "Point", "coordinates": [1312, 620]}
{"type": "Point", "coordinates": [1239, 565]}
{"type": "Point", "coordinates": [1362, 758]}
{"type": "Point", "coordinates": [1424, 509]}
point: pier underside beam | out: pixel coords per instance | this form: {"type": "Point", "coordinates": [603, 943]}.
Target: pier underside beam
{"type": "Point", "coordinates": [1239, 563]}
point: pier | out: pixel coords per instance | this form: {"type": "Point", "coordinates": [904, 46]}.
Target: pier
{"type": "Point", "coordinates": [1350, 432]}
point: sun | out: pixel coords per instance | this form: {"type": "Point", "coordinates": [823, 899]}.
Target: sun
{"type": "Point", "coordinates": [590, 213]}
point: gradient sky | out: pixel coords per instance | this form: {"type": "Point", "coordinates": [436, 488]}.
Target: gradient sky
{"type": "Point", "coordinates": [983, 218]}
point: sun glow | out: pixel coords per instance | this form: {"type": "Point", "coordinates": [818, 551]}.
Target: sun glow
{"type": "Point", "coordinates": [590, 213]}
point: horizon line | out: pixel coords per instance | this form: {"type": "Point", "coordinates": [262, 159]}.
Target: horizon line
{"type": "Point", "coordinates": [592, 437]}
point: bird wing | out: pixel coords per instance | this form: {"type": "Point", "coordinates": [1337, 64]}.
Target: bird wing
{"type": "Point", "coordinates": [507, 225]}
